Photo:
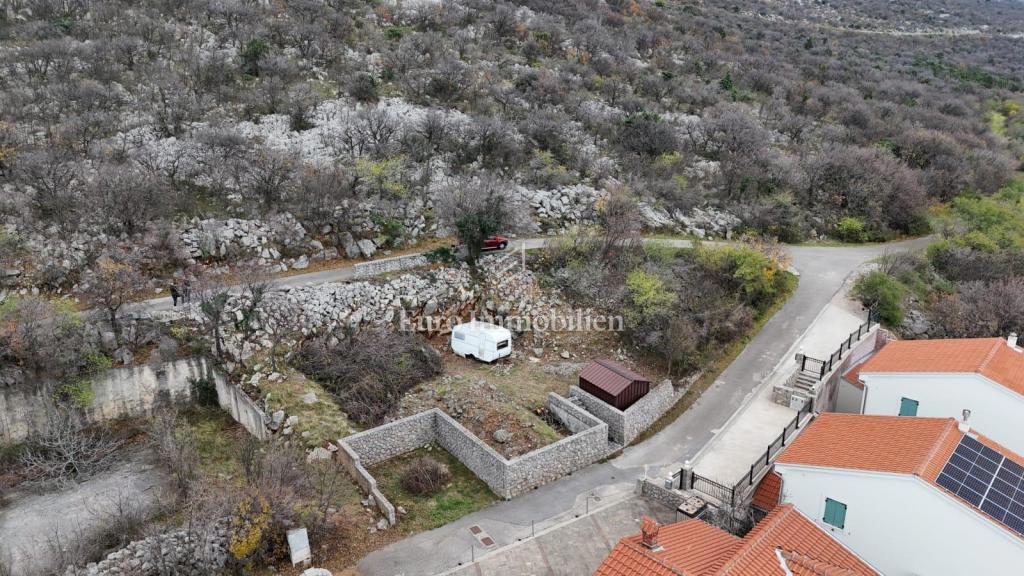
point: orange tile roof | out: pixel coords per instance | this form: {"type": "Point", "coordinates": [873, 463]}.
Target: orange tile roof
{"type": "Point", "coordinates": [878, 443]}
{"type": "Point", "coordinates": [687, 547]}
{"type": "Point", "coordinates": [896, 444]}
{"type": "Point", "coordinates": [629, 559]}
{"type": "Point", "coordinates": [990, 357]}
{"type": "Point", "coordinates": [694, 548]}
{"type": "Point", "coordinates": [807, 549]}
{"type": "Point", "coordinates": [766, 496]}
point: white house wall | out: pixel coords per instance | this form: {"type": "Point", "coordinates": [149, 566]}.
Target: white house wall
{"type": "Point", "coordinates": [850, 398]}
{"type": "Point", "coordinates": [902, 525]}
{"type": "Point", "coordinates": [995, 410]}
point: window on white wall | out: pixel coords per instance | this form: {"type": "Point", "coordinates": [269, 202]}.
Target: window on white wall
{"type": "Point", "coordinates": [908, 407]}
{"type": "Point", "coordinates": [835, 513]}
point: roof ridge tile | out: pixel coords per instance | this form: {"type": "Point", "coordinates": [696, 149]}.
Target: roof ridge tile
{"type": "Point", "coordinates": [936, 448]}
{"type": "Point", "coordinates": [991, 354]}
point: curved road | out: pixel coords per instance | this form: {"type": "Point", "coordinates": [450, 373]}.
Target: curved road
{"type": "Point", "coordinates": [822, 273]}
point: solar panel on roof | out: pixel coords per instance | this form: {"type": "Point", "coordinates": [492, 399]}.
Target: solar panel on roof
{"type": "Point", "coordinates": [985, 479]}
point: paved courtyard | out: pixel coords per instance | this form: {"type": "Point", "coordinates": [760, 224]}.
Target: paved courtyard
{"type": "Point", "coordinates": [573, 548]}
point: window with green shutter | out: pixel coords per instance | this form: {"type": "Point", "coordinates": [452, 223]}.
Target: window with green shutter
{"type": "Point", "coordinates": [835, 513]}
{"type": "Point", "coordinates": [908, 407]}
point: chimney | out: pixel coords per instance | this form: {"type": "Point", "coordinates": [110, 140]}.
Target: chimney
{"type": "Point", "coordinates": [1011, 340]}
{"type": "Point", "coordinates": [963, 426]}
{"type": "Point", "coordinates": [649, 529]}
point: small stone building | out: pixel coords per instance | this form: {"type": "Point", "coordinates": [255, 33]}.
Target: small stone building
{"type": "Point", "coordinates": [613, 383]}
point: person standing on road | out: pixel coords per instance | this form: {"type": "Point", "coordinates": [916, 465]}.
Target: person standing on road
{"type": "Point", "coordinates": [174, 295]}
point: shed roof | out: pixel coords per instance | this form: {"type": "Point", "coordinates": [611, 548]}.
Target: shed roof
{"type": "Point", "coordinates": [610, 376]}
{"type": "Point", "coordinates": [768, 492]}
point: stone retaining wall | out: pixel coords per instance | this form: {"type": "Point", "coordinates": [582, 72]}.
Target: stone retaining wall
{"type": "Point", "coordinates": [242, 408]}
{"type": "Point", "coordinates": [385, 265]}
{"type": "Point", "coordinates": [393, 439]}
{"type": "Point", "coordinates": [132, 392]}
{"type": "Point", "coordinates": [625, 425]}
{"type": "Point", "coordinates": [506, 478]}
{"type": "Point", "coordinates": [556, 460]}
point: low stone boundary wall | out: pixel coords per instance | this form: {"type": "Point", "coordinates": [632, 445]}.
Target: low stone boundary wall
{"type": "Point", "coordinates": [179, 552]}
{"type": "Point", "coordinates": [385, 265]}
{"type": "Point", "coordinates": [506, 478]}
{"type": "Point", "coordinates": [650, 488]}
{"type": "Point", "coordinates": [567, 455]}
{"type": "Point", "coordinates": [354, 466]}
{"type": "Point", "coordinates": [625, 425]}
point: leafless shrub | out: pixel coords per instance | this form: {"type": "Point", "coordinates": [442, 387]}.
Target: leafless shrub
{"type": "Point", "coordinates": [425, 476]}
{"type": "Point", "coordinates": [370, 373]}
{"type": "Point", "coordinates": [737, 520]}
{"type": "Point", "coordinates": [65, 449]}
{"type": "Point", "coordinates": [174, 448]}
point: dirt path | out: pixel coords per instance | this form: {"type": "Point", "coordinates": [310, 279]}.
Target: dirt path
{"type": "Point", "coordinates": [32, 524]}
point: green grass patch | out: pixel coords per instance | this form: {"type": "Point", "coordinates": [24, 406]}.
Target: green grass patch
{"type": "Point", "coordinates": [322, 420]}
{"type": "Point", "coordinates": [465, 493]}
{"type": "Point", "coordinates": [216, 439]}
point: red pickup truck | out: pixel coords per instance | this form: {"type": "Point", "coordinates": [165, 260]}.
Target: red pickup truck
{"type": "Point", "coordinates": [495, 242]}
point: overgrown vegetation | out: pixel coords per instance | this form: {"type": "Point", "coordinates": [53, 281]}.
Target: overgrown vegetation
{"type": "Point", "coordinates": [124, 117]}
{"type": "Point", "coordinates": [463, 493]}
{"type": "Point", "coordinates": [679, 304]}
{"type": "Point", "coordinates": [966, 284]}
{"type": "Point", "coordinates": [369, 373]}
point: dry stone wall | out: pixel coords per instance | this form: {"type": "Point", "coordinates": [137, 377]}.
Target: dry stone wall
{"type": "Point", "coordinates": [387, 265]}
{"type": "Point", "coordinates": [183, 553]}
{"type": "Point", "coordinates": [654, 489]}
{"type": "Point", "coordinates": [506, 478]}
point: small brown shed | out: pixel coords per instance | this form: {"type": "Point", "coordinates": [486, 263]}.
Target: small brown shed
{"type": "Point", "coordinates": [613, 383]}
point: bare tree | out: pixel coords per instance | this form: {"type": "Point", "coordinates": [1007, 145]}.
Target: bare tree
{"type": "Point", "coordinates": [65, 449]}
{"type": "Point", "coordinates": [214, 295]}
{"type": "Point", "coordinates": [42, 338]}
{"type": "Point", "coordinates": [270, 177]}
{"type": "Point", "coordinates": [127, 197]}
{"type": "Point", "coordinates": [114, 285]}
{"type": "Point", "coordinates": [51, 178]}
{"type": "Point", "coordinates": [282, 324]}
{"type": "Point", "coordinates": [619, 216]}
{"type": "Point", "coordinates": [255, 287]}
{"type": "Point", "coordinates": [173, 445]}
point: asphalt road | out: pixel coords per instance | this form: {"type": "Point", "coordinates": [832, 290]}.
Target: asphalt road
{"type": "Point", "coordinates": [822, 273]}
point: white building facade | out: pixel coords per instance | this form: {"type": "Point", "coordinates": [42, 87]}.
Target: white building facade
{"type": "Point", "coordinates": [993, 407]}
{"type": "Point", "coordinates": [900, 523]}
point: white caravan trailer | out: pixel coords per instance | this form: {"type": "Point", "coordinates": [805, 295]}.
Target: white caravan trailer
{"type": "Point", "coordinates": [481, 340]}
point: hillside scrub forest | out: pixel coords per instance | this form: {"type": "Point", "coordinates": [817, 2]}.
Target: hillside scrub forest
{"type": "Point", "coordinates": [126, 128]}
{"type": "Point", "coordinates": [968, 283]}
